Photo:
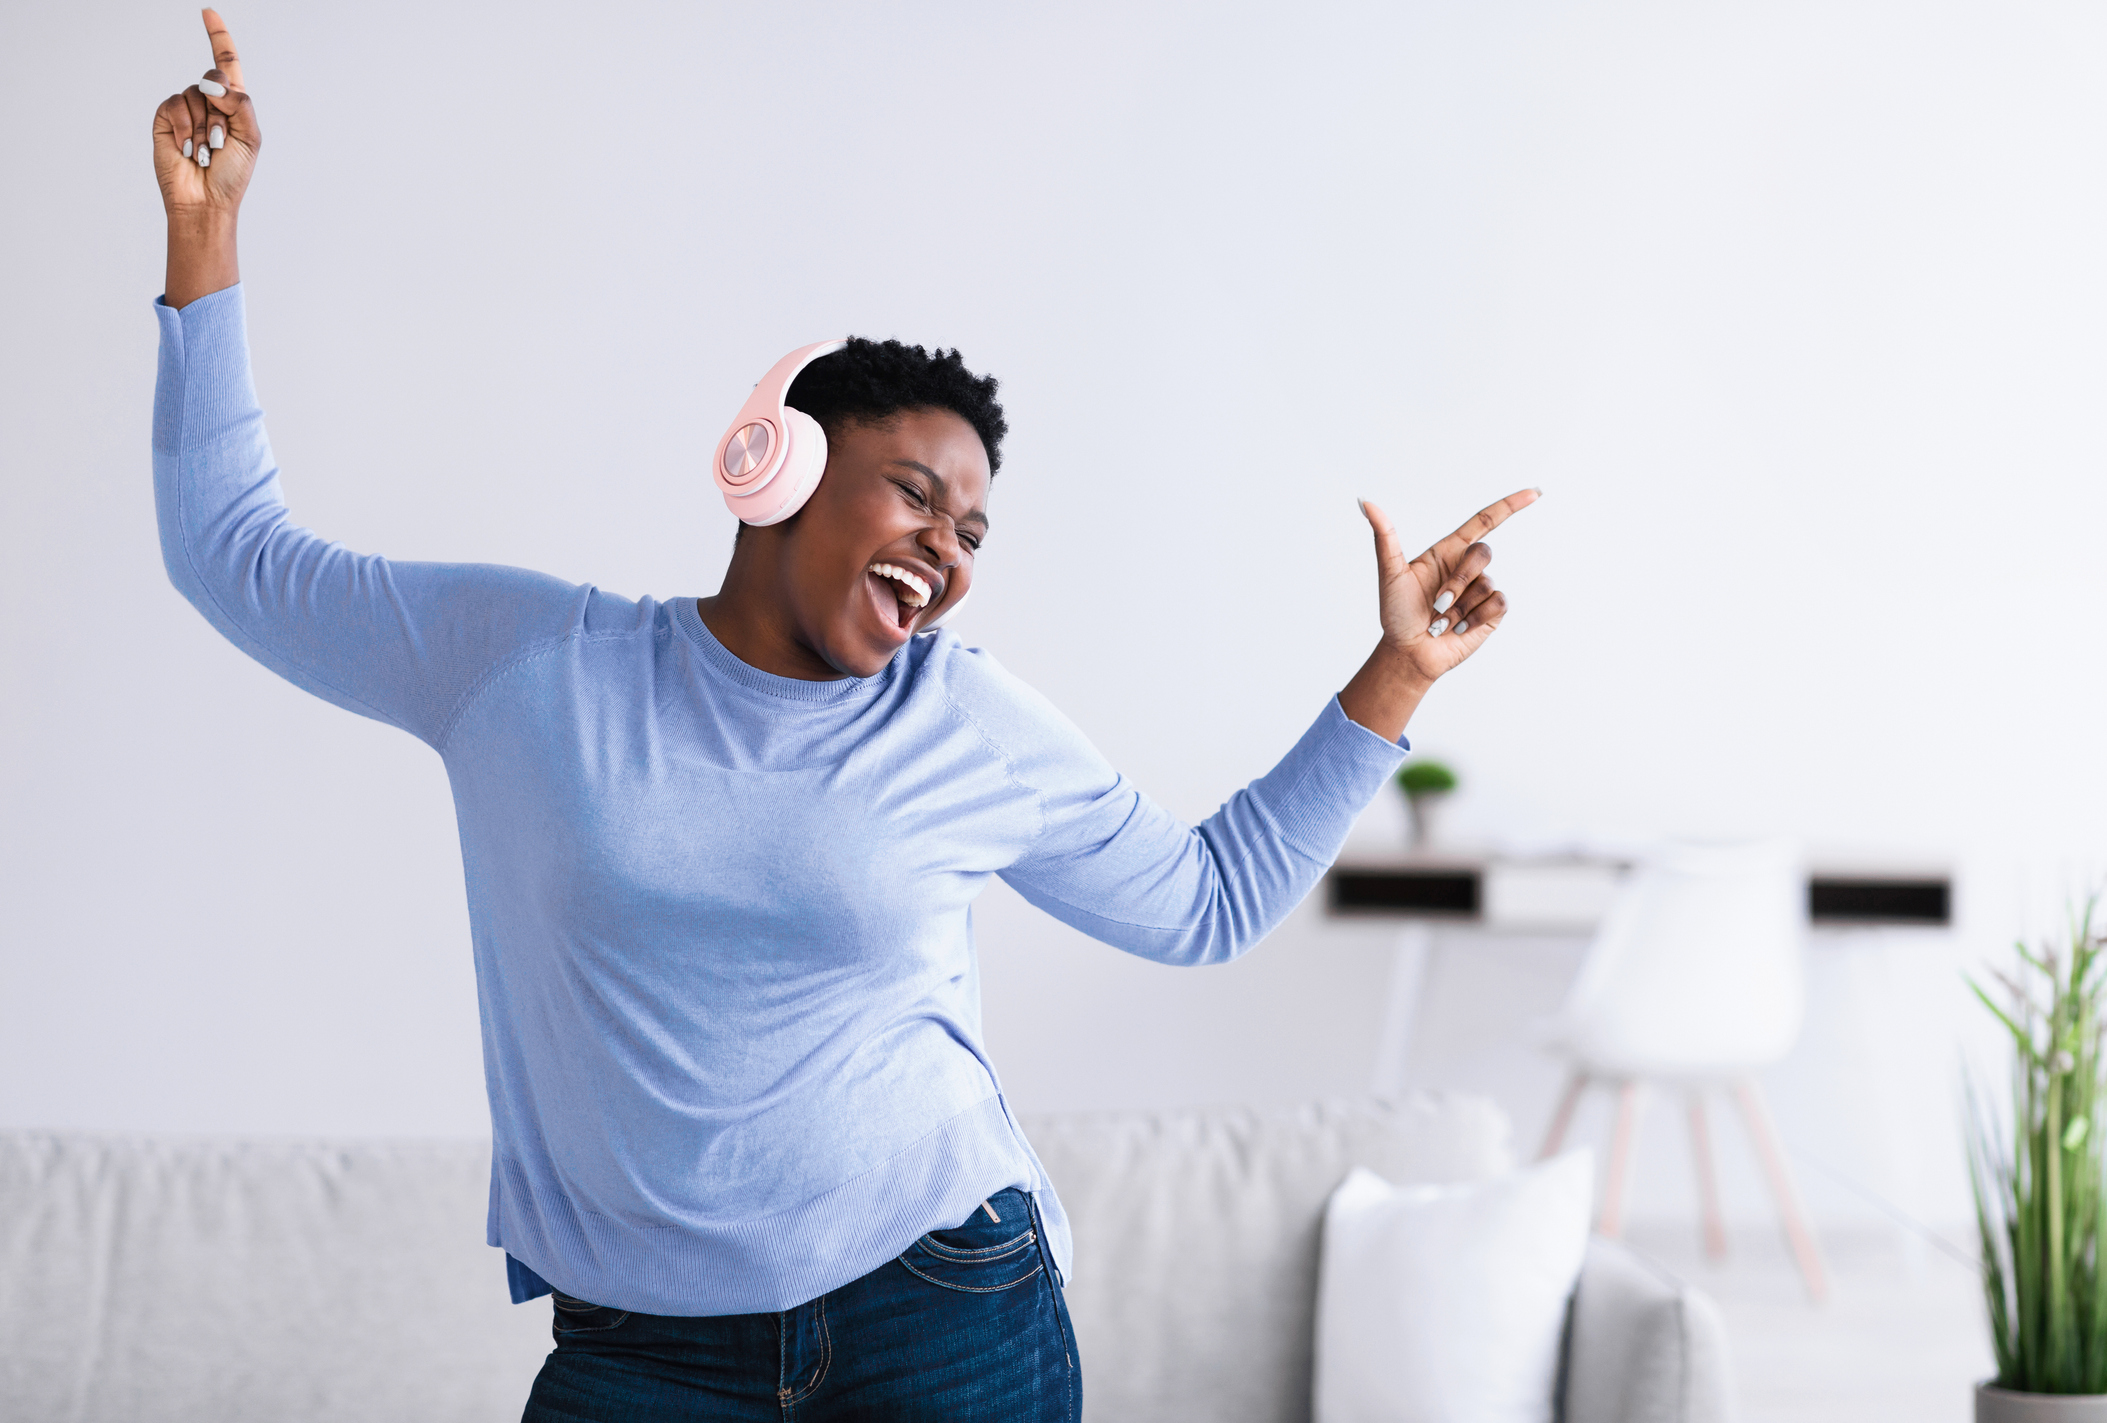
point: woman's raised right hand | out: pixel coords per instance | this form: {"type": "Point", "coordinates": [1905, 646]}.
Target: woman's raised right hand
{"type": "Point", "coordinates": [206, 138]}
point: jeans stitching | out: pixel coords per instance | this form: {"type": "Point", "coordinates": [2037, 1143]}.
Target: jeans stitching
{"type": "Point", "coordinates": [1068, 1408]}
{"type": "Point", "coordinates": [987, 1252]}
{"type": "Point", "coordinates": [975, 1289]}
{"type": "Point", "coordinates": [826, 1356]}
{"type": "Point", "coordinates": [782, 1362]}
{"type": "Point", "coordinates": [1061, 1322]}
{"type": "Point", "coordinates": [616, 1323]}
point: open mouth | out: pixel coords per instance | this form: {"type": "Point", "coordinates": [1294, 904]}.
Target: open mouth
{"type": "Point", "coordinates": [909, 592]}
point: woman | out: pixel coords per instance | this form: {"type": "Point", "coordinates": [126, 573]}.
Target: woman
{"type": "Point", "coordinates": [720, 855]}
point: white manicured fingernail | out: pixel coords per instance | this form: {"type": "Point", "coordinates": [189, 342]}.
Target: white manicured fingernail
{"type": "Point", "coordinates": [186, 148]}
{"type": "Point", "coordinates": [204, 158]}
{"type": "Point", "coordinates": [208, 86]}
{"type": "Point", "coordinates": [219, 137]}
{"type": "Point", "coordinates": [1463, 625]}
{"type": "Point", "coordinates": [1441, 625]}
{"type": "Point", "coordinates": [1441, 604]}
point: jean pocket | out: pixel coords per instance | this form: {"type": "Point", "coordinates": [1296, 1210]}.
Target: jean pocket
{"type": "Point", "coordinates": [577, 1316]}
{"type": "Point", "coordinates": [979, 1260]}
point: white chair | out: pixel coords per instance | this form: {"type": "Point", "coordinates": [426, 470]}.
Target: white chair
{"type": "Point", "coordinates": [1694, 980]}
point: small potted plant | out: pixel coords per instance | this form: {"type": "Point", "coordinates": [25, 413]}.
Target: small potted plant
{"type": "Point", "coordinates": [1426, 785]}
{"type": "Point", "coordinates": [2038, 1198]}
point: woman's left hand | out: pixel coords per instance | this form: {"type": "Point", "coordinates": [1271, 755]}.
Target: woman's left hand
{"type": "Point", "coordinates": [1440, 607]}
{"type": "Point", "coordinates": [205, 144]}
{"type": "Point", "coordinates": [1437, 609]}
{"type": "Point", "coordinates": [206, 138]}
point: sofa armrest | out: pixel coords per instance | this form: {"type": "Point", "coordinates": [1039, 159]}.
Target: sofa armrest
{"type": "Point", "coordinates": [1644, 1347]}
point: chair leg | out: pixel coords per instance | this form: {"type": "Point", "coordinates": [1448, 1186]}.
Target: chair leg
{"type": "Point", "coordinates": [1562, 1119]}
{"type": "Point", "coordinates": [1630, 1098]}
{"type": "Point", "coordinates": [1707, 1179]}
{"type": "Point", "coordinates": [1797, 1233]}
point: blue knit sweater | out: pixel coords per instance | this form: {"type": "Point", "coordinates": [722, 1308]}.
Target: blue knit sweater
{"type": "Point", "coordinates": [722, 919]}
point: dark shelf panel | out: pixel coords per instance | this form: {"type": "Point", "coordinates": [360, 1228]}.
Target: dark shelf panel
{"type": "Point", "coordinates": [1419, 892]}
{"type": "Point", "coordinates": [1864, 900]}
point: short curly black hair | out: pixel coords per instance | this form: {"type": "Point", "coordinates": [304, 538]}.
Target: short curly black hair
{"type": "Point", "coordinates": [870, 381]}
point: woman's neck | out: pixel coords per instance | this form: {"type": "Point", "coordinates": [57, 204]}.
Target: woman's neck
{"type": "Point", "coordinates": [751, 617]}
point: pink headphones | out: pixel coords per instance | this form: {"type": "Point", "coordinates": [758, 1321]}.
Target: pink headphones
{"type": "Point", "coordinates": [771, 459]}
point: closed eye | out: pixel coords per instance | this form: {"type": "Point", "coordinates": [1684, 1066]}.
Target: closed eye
{"type": "Point", "coordinates": [921, 501]}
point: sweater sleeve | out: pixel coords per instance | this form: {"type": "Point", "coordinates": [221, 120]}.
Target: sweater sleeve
{"type": "Point", "coordinates": [404, 643]}
{"type": "Point", "coordinates": [1111, 862]}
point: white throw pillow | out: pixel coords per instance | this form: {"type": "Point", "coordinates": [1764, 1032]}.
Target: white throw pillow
{"type": "Point", "coordinates": [1445, 1304]}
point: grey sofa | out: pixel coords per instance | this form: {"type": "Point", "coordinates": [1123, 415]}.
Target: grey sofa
{"type": "Point", "coordinates": [1196, 1236]}
{"type": "Point", "coordinates": [158, 1280]}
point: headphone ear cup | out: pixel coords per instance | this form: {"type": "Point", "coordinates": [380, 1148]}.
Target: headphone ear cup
{"type": "Point", "coordinates": [805, 462]}
{"type": "Point", "coordinates": [801, 470]}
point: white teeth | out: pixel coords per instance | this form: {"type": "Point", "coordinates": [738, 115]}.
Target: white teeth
{"type": "Point", "coordinates": [916, 592]}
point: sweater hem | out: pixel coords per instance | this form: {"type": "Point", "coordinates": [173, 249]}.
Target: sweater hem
{"type": "Point", "coordinates": [768, 1263]}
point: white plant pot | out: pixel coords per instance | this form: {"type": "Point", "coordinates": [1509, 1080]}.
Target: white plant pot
{"type": "Point", "coordinates": [1425, 810]}
{"type": "Point", "coordinates": [1997, 1405]}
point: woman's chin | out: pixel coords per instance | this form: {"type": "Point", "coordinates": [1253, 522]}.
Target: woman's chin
{"type": "Point", "coordinates": [891, 637]}
{"type": "Point", "coordinates": [867, 647]}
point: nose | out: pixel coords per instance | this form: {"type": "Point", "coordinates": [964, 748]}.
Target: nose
{"type": "Point", "coordinates": [940, 542]}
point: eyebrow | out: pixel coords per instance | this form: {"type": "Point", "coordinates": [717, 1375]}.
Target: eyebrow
{"type": "Point", "coordinates": [978, 516]}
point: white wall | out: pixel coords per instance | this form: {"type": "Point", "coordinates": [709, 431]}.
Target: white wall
{"type": "Point", "coordinates": [1795, 313]}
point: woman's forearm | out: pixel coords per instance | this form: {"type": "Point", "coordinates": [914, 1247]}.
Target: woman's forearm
{"type": "Point", "coordinates": [201, 256]}
{"type": "Point", "coordinates": [1386, 691]}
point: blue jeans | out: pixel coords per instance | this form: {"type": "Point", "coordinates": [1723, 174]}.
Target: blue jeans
{"type": "Point", "coordinates": [968, 1324]}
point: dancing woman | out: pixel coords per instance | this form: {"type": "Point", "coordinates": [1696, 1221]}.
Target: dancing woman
{"type": "Point", "coordinates": [721, 854]}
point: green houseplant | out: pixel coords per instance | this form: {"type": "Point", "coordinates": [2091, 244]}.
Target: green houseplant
{"type": "Point", "coordinates": [1425, 784]}
{"type": "Point", "coordinates": [2039, 1201]}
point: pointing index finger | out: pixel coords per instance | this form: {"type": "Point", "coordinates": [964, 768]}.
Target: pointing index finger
{"type": "Point", "coordinates": [224, 57]}
{"type": "Point", "coordinates": [1478, 525]}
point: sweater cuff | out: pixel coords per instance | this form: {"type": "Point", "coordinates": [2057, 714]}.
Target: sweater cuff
{"type": "Point", "coordinates": [204, 389]}
{"type": "Point", "coordinates": [1332, 773]}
